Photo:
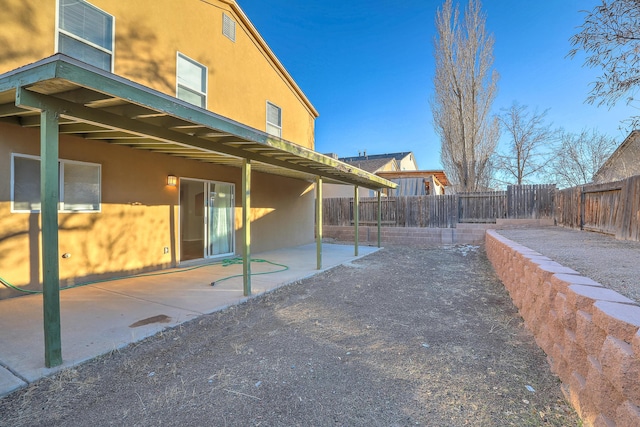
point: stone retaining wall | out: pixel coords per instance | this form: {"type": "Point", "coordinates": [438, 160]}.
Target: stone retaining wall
{"type": "Point", "coordinates": [368, 235]}
{"type": "Point", "coordinates": [464, 233]}
{"type": "Point", "coordinates": [589, 333]}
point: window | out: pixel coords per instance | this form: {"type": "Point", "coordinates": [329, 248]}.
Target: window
{"type": "Point", "coordinates": [79, 185]}
{"type": "Point", "coordinates": [192, 81]}
{"type": "Point", "coordinates": [85, 33]}
{"type": "Point", "coordinates": [228, 27]}
{"type": "Point", "coordinates": [274, 119]}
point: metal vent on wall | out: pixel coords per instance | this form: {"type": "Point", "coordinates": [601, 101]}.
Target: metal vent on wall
{"type": "Point", "coordinates": [228, 27]}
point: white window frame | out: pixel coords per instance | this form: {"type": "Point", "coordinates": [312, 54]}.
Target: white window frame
{"type": "Point", "coordinates": [274, 125]}
{"type": "Point", "coordinates": [61, 164]}
{"type": "Point", "coordinates": [228, 27]}
{"type": "Point", "coordinates": [80, 39]}
{"type": "Point", "coordinates": [190, 89]}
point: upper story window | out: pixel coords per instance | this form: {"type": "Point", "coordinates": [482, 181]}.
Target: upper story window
{"type": "Point", "coordinates": [79, 185]}
{"type": "Point", "coordinates": [85, 33]}
{"type": "Point", "coordinates": [228, 27]}
{"type": "Point", "coordinates": [192, 81]}
{"type": "Point", "coordinates": [274, 119]}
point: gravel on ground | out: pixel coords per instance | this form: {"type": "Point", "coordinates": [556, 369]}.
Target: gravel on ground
{"type": "Point", "coordinates": [610, 262]}
{"type": "Point", "coordinates": [406, 336]}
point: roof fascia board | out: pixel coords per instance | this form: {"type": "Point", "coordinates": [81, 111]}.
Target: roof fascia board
{"type": "Point", "coordinates": [29, 74]}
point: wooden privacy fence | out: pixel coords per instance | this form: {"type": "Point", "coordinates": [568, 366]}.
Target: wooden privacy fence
{"type": "Point", "coordinates": [481, 207]}
{"type": "Point", "coordinates": [518, 202]}
{"type": "Point", "coordinates": [611, 208]}
{"type": "Point", "coordinates": [401, 211]}
{"type": "Point", "coordinates": [530, 201]}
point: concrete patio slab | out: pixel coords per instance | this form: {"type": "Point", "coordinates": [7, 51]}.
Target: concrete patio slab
{"type": "Point", "coordinates": [103, 317]}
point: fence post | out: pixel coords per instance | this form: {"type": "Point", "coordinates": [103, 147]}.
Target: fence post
{"type": "Point", "coordinates": [583, 197]}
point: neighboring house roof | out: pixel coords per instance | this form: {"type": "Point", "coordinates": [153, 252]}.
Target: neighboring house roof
{"type": "Point", "coordinates": [375, 163]}
{"type": "Point", "coordinates": [115, 110]}
{"type": "Point", "coordinates": [623, 163]}
{"type": "Point", "coordinates": [439, 175]}
{"type": "Point", "coordinates": [372, 165]}
{"type": "Point", "coordinates": [397, 156]}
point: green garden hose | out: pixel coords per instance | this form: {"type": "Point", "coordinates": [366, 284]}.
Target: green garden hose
{"type": "Point", "coordinates": [225, 263]}
{"type": "Point", "coordinates": [238, 260]}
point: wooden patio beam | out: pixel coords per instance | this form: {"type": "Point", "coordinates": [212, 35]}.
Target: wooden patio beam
{"type": "Point", "coordinates": [49, 197]}
{"type": "Point", "coordinates": [246, 226]}
{"type": "Point", "coordinates": [356, 218]}
{"type": "Point", "coordinates": [319, 222]}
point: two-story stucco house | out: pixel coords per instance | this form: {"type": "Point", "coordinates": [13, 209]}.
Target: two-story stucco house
{"type": "Point", "coordinates": [139, 135]}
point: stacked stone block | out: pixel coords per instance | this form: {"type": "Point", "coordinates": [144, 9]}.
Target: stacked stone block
{"type": "Point", "coordinates": [589, 333]}
{"type": "Point", "coordinates": [368, 235]}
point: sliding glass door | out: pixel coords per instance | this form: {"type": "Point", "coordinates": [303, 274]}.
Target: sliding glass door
{"type": "Point", "coordinates": [206, 219]}
{"type": "Point", "coordinates": [220, 222]}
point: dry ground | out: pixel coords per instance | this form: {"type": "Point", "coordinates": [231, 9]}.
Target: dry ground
{"type": "Point", "coordinates": [613, 263]}
{"type": "Point", "coordinates": [407, 336]}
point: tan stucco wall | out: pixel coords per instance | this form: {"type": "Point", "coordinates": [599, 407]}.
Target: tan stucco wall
{"type": "Point", "coordinates": [27, 32]}
{"type": "Point", "coordinates": [148, 34]}
{"type": "Point", "coordinates": [139, 215]}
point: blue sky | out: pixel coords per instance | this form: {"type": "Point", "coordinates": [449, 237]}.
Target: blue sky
{"type": "Point", "coordinates": [367, 67]}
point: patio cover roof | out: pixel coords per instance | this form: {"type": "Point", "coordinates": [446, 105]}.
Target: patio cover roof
{"type": "Point", "coordinates": [97, 105]}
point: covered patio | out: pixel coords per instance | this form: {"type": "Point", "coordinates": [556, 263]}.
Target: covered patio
{"type": "Point", "coordinates": [60, 95]}
{"type": "Point", "coordinates": [103, 317]}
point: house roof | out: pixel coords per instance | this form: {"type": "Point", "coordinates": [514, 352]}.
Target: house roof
{"type": "Point", "coordinates": [629, 140]}
{"type": "Point", "coordinates": [370, 165]}
{"type": "Point", "coordinates": [389, 156]}
{"type": "Point", "coordinates": [440, 175]}
{"type": "Point", "coordinates": [98, 105]}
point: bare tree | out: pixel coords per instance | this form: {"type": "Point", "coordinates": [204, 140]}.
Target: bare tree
{"type": "Point", "coordinates": [530, 143]}
{"type": "Point", "coordinates": [579, 156]}
{"type": "Point", "coordinates": [610, 37]}
{"type": "Point", "coordinates": [465, 88]}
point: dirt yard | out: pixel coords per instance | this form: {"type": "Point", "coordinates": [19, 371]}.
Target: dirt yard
{"type": "Point", "coordinates": [407, 336]}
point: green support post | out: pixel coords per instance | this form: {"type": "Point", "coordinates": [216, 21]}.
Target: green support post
{"type": "Point", "coordinates": [356, 218]}
{"type": "Point", "coordinates": [319, 222]}
{"type": "Point", "coordinates": [379, 215]}
{"type": "Point", "coordinates": [49, 197]}
{"type": "Point", "coordinates": [246, 226]}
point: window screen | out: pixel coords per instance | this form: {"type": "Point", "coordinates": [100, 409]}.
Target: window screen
{"type": "Point", "coordinates": [274, 119]}
{"type": "Point", "coordinates": [79, 185]}
{"type": "Point", "coordinates": [26, 184]}
{"type": "Point", "coordinates": [81, 188]}
{"type": "Point", "coordinates": [85, 33]}
{"type": "Point", "coordinates": [192, 81]}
